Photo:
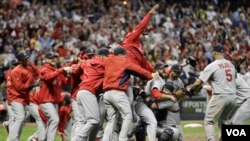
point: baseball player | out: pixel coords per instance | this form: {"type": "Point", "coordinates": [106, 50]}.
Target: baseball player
{"type": "Point", "coordinates": [221, 74]}
{"type": "Point", "coordinates": [133, 44]}
{"type": "Point", "coordinates": [145, 114]}
{"type": "Point", "coordinates": [22, 81]}
{"type": "Point", "coordinates": [243, 100]}
{"type": "Point", "coordinates": [8, 123]}
{"type": "Point", "coordinates": [171, 122]}
{"type": "Point", "coordinates": [64, 113]}
{"type": "Point", "coordinates": [116, 81]}
{"type": "Point", "coordinates": [75, 81]}
{"type": "Point", "coordinates": [172, 76]}
{"type": "Point", "coordinates": [50, 91]}
{"type": "Point", "coordinates": [168, 114]}
{"type": "Point", "coordinates": [91, 85]}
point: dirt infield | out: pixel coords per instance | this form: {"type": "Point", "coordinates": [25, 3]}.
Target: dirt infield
{"type": "Point", "coordinates": [194, 138]}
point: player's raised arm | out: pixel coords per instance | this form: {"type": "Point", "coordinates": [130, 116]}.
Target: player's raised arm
{"type": "Point", "coordinates": [138, 30]}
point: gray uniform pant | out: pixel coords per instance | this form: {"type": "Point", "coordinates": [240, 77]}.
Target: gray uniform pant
{"type": "Point", "coordinates": [147, 116]}
{"type": "Point", "coordinates": [89, 112]}
{"type": "Point", "coordinates": [117, 101]}
{"type": "Point", "coordinates": [75, 117]}
{"type": "Point", "coordinates": [103, 114]}
{"type": "Point", "coordinates": [33, 109]}
{"type": "Point", "coordinates": [218, 108]}
{"type": "Point", "coordinates": [10, 116]}
{"type": "Point", "coordinates": [18, 110]}
{"type": "Point", "coordinates": [50, 111]}
{"type": "Point", "coordinates": [242, 114]}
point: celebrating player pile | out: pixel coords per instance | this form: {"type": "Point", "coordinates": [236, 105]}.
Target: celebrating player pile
{"type": "Point", "coordinates": [118, 86]}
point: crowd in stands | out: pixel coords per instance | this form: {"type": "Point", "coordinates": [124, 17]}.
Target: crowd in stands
{"type": "Point", "coordinates": [179, 30]}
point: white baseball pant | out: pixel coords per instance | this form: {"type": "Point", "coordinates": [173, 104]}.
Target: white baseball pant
{"type": "Point", "coordinates": [41, 130]}
{"type": "Point", "coordinates": [87, 104]}
{"type": "Point", "coordinates": [19, 112]}
{"type": "Point", "coordinates": [117, 101]}
{"type": "Point", "coordinates": [103, 114]}
{"type": "Point", "coordinates": [147, 116]}
{"type": "Point", "coordinates": [10, 116]}
{"type": "Point", "coordinates": [242, 114]}
{"type": "Point", "coordinates": [75, 116]}
{"type": "Point", "coordinates": [218, 108]}
{"type": "Point", "coordinates": [50, 111]}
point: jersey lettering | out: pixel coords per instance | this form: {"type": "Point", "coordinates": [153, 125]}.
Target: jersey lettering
{"type": "Point", "coordinates": [224, 65]}
{"type": "Point", "coordinates": [229, 75]}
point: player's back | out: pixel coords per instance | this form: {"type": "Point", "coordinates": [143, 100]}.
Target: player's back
{"type": "Point", "coordinates": [223, 77]}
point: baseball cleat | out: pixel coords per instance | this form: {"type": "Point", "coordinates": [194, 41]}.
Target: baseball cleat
{"type": "Point", "coordinates": [6, 126]}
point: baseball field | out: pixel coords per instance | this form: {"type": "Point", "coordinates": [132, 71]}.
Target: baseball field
{"type": "Point", "coordinates": [190, 133]}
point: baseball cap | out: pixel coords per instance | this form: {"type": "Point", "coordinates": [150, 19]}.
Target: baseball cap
{"type": "Point", "coordinates": [103, 51]}
{"type": "Point", "coordinates": [14, 62]}
{"type": "Point", "coordinates": [103, 45]}
{"type": "Point", "coordinates": [159, 66]}
{"type": "Point", "coordinates": [169, 86]}
{"type": "Point", "coordinates": [176, 68]}
{"type": "Point", "coordinates": [50, 55]}
{"type": "Point", "coordinates": [119, 50]}
{"type": "Point", "coordinates": [90, 51]}
{"type": "Point", "coordinates": [22, 56]}
{"type": "Point", "coordinates": [145, 33]}
{"type": "Point", "coordinates": [118, 40]}
{"type": "Point", "coordinates": [218, 48]}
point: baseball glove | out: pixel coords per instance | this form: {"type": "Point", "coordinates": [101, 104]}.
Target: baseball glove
{"type": "Point", "coordinates": [180, 94]}
{"type": "Point", "coordinates": [190, 92]}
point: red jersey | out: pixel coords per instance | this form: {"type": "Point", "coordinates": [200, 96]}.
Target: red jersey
{"type": "Point", "coordinates": [93, 74]}
{"type": "Point", "coordinates": [21, 79]}
{"type": "Point", "coordinates": [52, 81]}
{"type": "Point", "coordinates": [75, 81]}
{"type": "Point", "coordinates": [8, 85]}
{"type": "Point", "coordinates": [118, 70]}
{"type": "Point", "coordinates": [132, 43]}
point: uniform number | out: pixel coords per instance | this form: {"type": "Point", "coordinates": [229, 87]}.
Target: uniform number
{"type": "Point", "coordinates": [229, 75]}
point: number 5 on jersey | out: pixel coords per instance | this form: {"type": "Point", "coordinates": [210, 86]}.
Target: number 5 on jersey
{"type": "Point", "coordinates": [229, 75]}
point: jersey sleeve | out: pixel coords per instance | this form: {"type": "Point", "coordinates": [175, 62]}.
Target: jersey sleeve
{"type": "Point", "coordinates": [165, 104]}
{"type": "Point", "coordinates": [149, 86]}
{"type": "Point", "coordinates": [207, 73]}
{"type": "Point", "coordinates": [156, 94]}
{"type": "Point", "coordinates": [157, 84]}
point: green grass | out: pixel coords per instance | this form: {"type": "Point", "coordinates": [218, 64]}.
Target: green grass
{"type": "Point", "coordinates": [28, 130]}
{"type": "Point", "coordinates": [190, 134]}
{"type": "Point", "coordinates": [195, 134]}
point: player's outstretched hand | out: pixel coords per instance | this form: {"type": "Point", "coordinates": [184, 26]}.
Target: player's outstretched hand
{"type": "Point", "coordinates": [155, 7]}
{"type": "Point", "coordinates": [67, 69]}
{"type": "Point", "coordinates": [172, 98]}
{"type": "Point", "coordinates": [155, 75]}
{"type": "Point", "coordinates": [189, 91]}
